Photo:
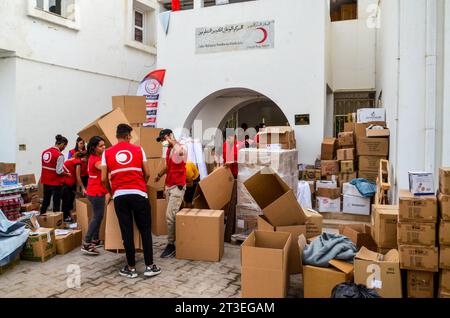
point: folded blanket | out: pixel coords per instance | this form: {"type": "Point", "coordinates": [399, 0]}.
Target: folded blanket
{"type": "Point", "coordinates": [327, 247]}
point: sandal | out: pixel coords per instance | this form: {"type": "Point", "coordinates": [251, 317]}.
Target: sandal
{"type": "Point", "coordinates": [89, 249]}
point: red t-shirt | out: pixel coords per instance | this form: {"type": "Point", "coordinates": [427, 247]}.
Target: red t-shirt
{"type": "Point", "coordinates": [70, 166]}
{"type": "Point", "coordinates": [95, 186]}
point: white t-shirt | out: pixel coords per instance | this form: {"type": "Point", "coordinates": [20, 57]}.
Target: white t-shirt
{"type": "Point", "coordinates": [119, 193]}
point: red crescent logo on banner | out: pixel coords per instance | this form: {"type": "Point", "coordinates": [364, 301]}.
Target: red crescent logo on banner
{"type": "Point", "coordinates": [264, 31]}
{"type": "Point", "coordinates": [124, 157]}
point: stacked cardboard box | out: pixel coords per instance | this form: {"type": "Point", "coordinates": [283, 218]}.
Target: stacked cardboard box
{"type": "Point", "coordinates": [328, 196]}
{"type": "Point", "coordinates": [251, 161]}
{"type": "Point", "coordinates": [346, 156]}
{"type": "Point", "coordinates": [416, 236]}
{"type": "Point", "coordinates": [40, 246]}
{"type": "Point", "coordinates": [353, 201]}
{"type": "Point", "coordinates": [384, 227]}
{"type": "Point", "coordinates": [444, 232]}
{"type": "Point", "coordinates": [282, 137]}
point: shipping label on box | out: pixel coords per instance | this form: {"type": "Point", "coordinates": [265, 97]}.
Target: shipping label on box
{"type": "Point", "coordinates": [444, 180]}
{"type": "Point", "coordinates": [372, 146]}
{"type": "Point", "coordinates": [369, 115]}
{"type": "Point", "coordinates": [420, 258]}
{"type": "Point", "coordinates": [419, 209]}
{"type": "Point", "coordinates": [347, 166]}
{"type": "Point", "coordinates": [370, 163]}
{"type": "Point", "coordinates": [416, 234]}
{"type": "Point", "coordinates": [421, 183]}
{"type": "Point", "coordinates": [444, 257]}
{"type": "Point", "coordinates": [420, 284]}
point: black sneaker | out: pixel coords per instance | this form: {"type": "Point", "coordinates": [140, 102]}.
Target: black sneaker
{"type": "Point", "coordinates": [89, 249]}
{"type": "Point", "coordinates": [98, 243]}
{"type": "Point", "coordinates": [169, 251]}
{"type": "Point", "coordinates": [151, 271]}
{"type": "Point", "coordinates": [128, 273]}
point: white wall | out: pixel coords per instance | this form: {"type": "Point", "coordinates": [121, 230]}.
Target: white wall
{"type": "Point", "coordinates": [7, 109]}
{"type": "Point", "coordinates": [292, 74]}
{"type": "Point", "coordinates": [445, 112]}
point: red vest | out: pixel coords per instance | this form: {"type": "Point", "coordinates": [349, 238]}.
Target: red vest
{"type": "Point", "coordinates": [95, 186]}
{"type": "Point", "coordinates": [49, 160]}
{"type": "Point", "coordinates": [70, 166]}
{"type": "Point", "coordinates": [176, 169]}
{"type": "Point", "coordinates": [124, 162]}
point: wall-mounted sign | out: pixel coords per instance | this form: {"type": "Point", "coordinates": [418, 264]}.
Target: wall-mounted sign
{"type": "Point", "coordinates": [302, 120]}
{"type": "Point", "coordinates": [235, 37]}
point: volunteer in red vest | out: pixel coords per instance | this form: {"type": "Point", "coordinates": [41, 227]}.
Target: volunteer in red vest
{"type": "Point", "coordinates": [127, 167]}
{"type": "Point", "coordinates": [175, 169]}
{"type": "Point", "coordinates": [230, 150]}
{"type": "Point", "coordinates": [70, 184]}
{"type": "Point", "coordinates": [52, 174]}
{"type": "Point", "coordinates": [97, 195]}
{"type": "Point", "coordinates": [80, 146]}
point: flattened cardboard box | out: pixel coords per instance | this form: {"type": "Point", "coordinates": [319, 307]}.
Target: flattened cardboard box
{"type": "Point", "coordinates": [158, 204]}
{"type": "Point", "coordinates": [264, 265]}
{"type": "Point", "coordinates": [372, 146]}
{"type": "Point", "coordinates": [346, 154]}
{"type": "Point", "coordinates": [416, 234]}
{"type": "Point", "coordinates": [84, 217]}
{"type": "Point", "coordinates": [275, 198]}
{"type": "Point", "coordinates": [370, 163]}
{"type": "Point", "coordinates": [214, 192]}
{"type": "Point", "coordinates": [294, 259]}
{"type": "Point", "coordinates": [200, 235]}
{"type": "Point", "coordinates": [417, 208]}
{"type": "Point", "coordinates": [379, 272]}
{"type": "Point", "coordinates": [113, 236]}
{"type": "Point", "coordinates": [51, 220]}
{"type": "Point", "coordinates": [384, 225]}
{"type": "Point", "coordinates": [134, 107]}
{"type": "Point", "coordinates": [444, 180]}
{"type": "Point", "coordinates": [444, 257]}
{"type": "Point", "coordinates": [318, 282]}
{"type": "Point", "coordinates": [40, 246]}
{"type": "Point", "coordinates": [444, 206]}
{"type": "Point", "coordinates": [420, 258]}
{"type": "Point", "coordinates": [420, 284]}
{"type": "Point", "coordinates": [444, 233]}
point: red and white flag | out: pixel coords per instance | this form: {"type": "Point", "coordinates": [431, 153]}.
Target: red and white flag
{"type": "Point", "coordinates": [150, 87]}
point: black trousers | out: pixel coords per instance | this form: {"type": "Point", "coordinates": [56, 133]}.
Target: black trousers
{"type": "Point", "coordinates": [49, 192]}
{"type": "Point", "coordinates": [129, 207]}
{"type": "Point", "coordinates": [84, 180]}
{"type": "Point", "coordinates": [190, 191]}
{"type": "Point", "coordinates": [68, 196]}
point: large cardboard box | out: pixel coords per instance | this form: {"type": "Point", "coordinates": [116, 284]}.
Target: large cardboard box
{"type": "Point", "coordinates": [384, 225]}
{"type": "Point", "coordinates": [65, 243]}
{"type": "Point", "coordinates": [294, 259]}
{"type": "Point", "coordinates": [379, 272]}
{"type": "Point", "coordinates": [27, 179]}
{"type": "Point", "coordinates": [77, 238]}
{"type": "Point", "coordinates": [277, 135]}
{"type": "Point", "coordinates": [214, 192]}
{"type": "Point", "coordinates": [40, 246]}
{"type": "Point", "coordinates": [155, 166]}
{"type": "Point", "coordinates": [329, 167]}
{"type": "Point", "coordinates": [370, 115]}
{"type": "Point", "coordinates": [113, 236]}
{"type": "Point", "coordinates": [416, 233]}
{"type": "Point", "coordinates": [361, 128]}
{"type": "Point", "coordinates": [7, 168]}
{"type": "Point", "coordinates": [444, 257]}
{"type": "Point", "coordinates": [275, 198]}
{"type": "Point", "coordinates": [324, 204]}
{"type": "Point", "coordinates": [420, 284]}
{"type": "Point", "coordinates": [329, 146]}
{"type": "Point", "coordinates": [200, 235]}
{"type": "Point", "coordinates": [420, 258]}
{"type": "Point", "coordinates": [318, 282]}
{"type": "Point", "coordinates": [51, 220]}
{"type": "Point", "coordinates": [134, 108]}
{"type": "Point", "coordinates": [346, 139]}
{"type": "Point", "coordinates": [106, 126]}
{"type": "Point", "coordinates": [347, 166]}
{"type": "Point", "coordinates": [421, 183]}
{"type": "Point", "coordinates": [349, 127]}
{"type": "Point", "coordinates": [158, 205]}
{"type": "Point", "coordinates": [312, 174]}
{"type": "Point", "coordinates": [444, 280]}
{"type": "Point", "coordinates": [329, 193]}
{"type": "Point", "coordinates": [376, 133]}
{"type": "Point", "coordinates": [359, 234]}
{"type": "Point", "coordinates": [417, 208]}
{"type": "Point", "coordinates": [370, 163]}
{"type": "Point", "coordinates": [314, 223]}
{"type": "Point", "coordinates": [369, 175]}
{"type": "Point", "coordinates": [444, 233]}
{"type": "Point", "coordinates": [372, 146]}
{"type": "Point", "coordinates": [356, 205]}
{"type": "Point", "coordinates": [346, 154]}
{"type": "Point", "coordinates": [147, 140]}
{"type": "Point", "coordinates": [444, 180]}
{"type": "Point", "coordinates": [84, 217]}
{"type": "Point", "coordinates": [444, 206]}
{"type": "Point", "coordinates": [264, 265]}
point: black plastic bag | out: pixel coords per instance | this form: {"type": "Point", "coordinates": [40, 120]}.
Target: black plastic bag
{"type": "Point", "coordinates": [350, 290]}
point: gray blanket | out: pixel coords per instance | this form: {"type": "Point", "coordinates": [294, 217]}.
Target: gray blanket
{"type": "Point", "coordinates": [327, 247]}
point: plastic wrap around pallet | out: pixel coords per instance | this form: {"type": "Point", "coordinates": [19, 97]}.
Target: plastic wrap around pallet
{"type": "Point", "coordinates": [283, 162]}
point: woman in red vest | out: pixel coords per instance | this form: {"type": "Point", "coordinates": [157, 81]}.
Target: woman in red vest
{"type": "Point", "coordinates": [83, 175]}
{"type": "Point", "coordinates": [52, 174]}
{"type": "Point", "coordinates": [70, 182]}
{"type": "Point", "coordinates": [96, 194]}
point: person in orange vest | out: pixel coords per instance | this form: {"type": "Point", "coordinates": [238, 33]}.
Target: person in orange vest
{"type": "Point", "coordinates": [127, 166]}
{"type": "Point", "coordinates": [176, 158]}
{"type": "Point", "coordinates": [70, 183]}
{"type": "Point", "coordinates": [53, 173]}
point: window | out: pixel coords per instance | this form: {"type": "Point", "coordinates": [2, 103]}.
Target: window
{"type": "Point", "coordinates": [341, 10]}
{"type": "Point", "coordinates": [60, 12]}
{"type": "Point", "coordinates": [141, 25]}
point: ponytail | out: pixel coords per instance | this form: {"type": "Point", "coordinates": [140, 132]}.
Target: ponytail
{"type": "Point", "coordinates": [60, 140]}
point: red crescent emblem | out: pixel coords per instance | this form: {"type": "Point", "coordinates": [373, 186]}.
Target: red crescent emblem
{"type": "Point", "coordinates": [264, 31]}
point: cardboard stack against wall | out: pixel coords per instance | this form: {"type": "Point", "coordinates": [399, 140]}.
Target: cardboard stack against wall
{"type": "Point", "coordinates": [444, 232]}
{"type": "Point", "coordinates": [328, 196]}
{"type": "Point", "coordinates": [384, 221]}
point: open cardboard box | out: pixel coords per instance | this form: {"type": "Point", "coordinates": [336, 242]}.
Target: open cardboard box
{"type": "Point", "coordinates": [275, 198]}
{"type": "Point", "coordinates": [214, 192]}
{"type": "Point", "coordinates": [360, 235]}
